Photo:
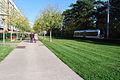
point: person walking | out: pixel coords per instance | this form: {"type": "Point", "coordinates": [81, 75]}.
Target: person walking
{"type": "Point", "coordinates": [31, 37]}
{"type": "Point", "coordinates": [35, 37]}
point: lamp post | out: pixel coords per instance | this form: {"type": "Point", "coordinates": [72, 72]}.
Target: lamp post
{"type": "Point", "coordinates": [3, 31]}
{"type": "Point", "coordinates": [61, 31]}
{"type": "Point", "coordinates": [3, 27]}
{"type": "Point", "coordinates": [108, 19]}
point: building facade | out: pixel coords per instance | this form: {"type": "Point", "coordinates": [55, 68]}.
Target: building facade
{"type": "Point", "coordinates": [5, 12]}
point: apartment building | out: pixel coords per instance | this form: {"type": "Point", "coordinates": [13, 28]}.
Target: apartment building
{"type": "Point", "coordinates": [5, 7]}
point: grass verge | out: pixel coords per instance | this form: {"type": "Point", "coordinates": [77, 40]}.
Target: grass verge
{"type": "Point", "coordinates": [4, 51]}
{"type": "Point", "coordinates": [91, 60]}
{"type": "Point", "coordinates": [8, 41]}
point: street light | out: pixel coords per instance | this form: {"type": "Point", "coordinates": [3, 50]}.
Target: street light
{"type": "Point", "coordinates": [108, 19]}
{"type": "Point", "coordinates": [3, 31]}
{"type": "Point", "coordinates": [3, 27]}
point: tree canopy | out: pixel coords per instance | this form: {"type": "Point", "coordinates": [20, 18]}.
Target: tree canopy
{"type": "Point", "coordinates": [49, 19]}
{"type": "Point", "coordinates": [15, 16]}
{"type": "Point", "coordinates": [79, 16]}
{"type": "Point", "coordinates": [91, 14]}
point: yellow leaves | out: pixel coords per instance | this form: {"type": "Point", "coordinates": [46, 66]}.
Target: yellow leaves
{"type": "Point", "coordinates": [3, 6]}
{"type": "Point", "coordinates": [15, 17]}
{"type": "Point", "coordinates": [49, 18]}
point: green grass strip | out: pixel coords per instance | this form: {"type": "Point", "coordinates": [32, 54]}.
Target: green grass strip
{"type": "Point", "coordinates": [91, 60]}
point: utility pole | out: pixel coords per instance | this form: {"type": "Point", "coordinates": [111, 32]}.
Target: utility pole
{"type": "Point", "coordinates": [3, 27]}
{"type": "Point", "coordinates": [3, 31]}
{"type": "Point", "coordinates": [108, 19]}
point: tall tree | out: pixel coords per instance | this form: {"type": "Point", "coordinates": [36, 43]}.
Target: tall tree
{"type": "Point", "coordinates": [51, 18]}
{"type": "Point", "coordinates": [79, 16]}
{"type": "Point", "coordinates": [101, 17]}
{"type": "Point", "coordinates": [115, 19]}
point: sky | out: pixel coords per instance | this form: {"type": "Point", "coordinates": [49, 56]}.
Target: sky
{"type": "Point", "coordinates": [32, 8]}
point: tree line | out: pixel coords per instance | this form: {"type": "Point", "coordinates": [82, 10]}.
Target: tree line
{"type": "Point", "coordinates": [83, 15]}
{"type": "Point", "coordinates": [91, 14]}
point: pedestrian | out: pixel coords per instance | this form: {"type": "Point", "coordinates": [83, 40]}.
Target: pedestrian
{"type": "Point", "coordinates": [31, 37]}
{"type": "Point", "coordinates": [35, 37]}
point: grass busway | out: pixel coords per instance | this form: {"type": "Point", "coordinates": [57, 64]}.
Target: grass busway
{"type": "Point", "coordinates": [91, 60]}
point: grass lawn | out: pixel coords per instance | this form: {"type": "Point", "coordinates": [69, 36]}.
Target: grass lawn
{"type": "Point", "coordinates": [8, 41]}
{"type": "Point", "coordinates": [91, 60]}
{"type": "Point", "coordinates": [4, 51]}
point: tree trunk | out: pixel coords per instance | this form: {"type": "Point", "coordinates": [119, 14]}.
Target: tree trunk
{"type": "Point", "coordinates": [44, 36]}
{"type": "Point", "coordinates": [50, 36]}
{"type": "Point", "coordinates": [23, 35]}
{"type": "Point", "coordinates": [11, 35]}
{"type": "Point", "coordinates": [17, 35]}
{"type": "Point", "coordinates": [6, 35]}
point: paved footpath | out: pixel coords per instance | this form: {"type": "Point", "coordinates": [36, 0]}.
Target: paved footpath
{"type": "Point", "coordinates": [34, 62]}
